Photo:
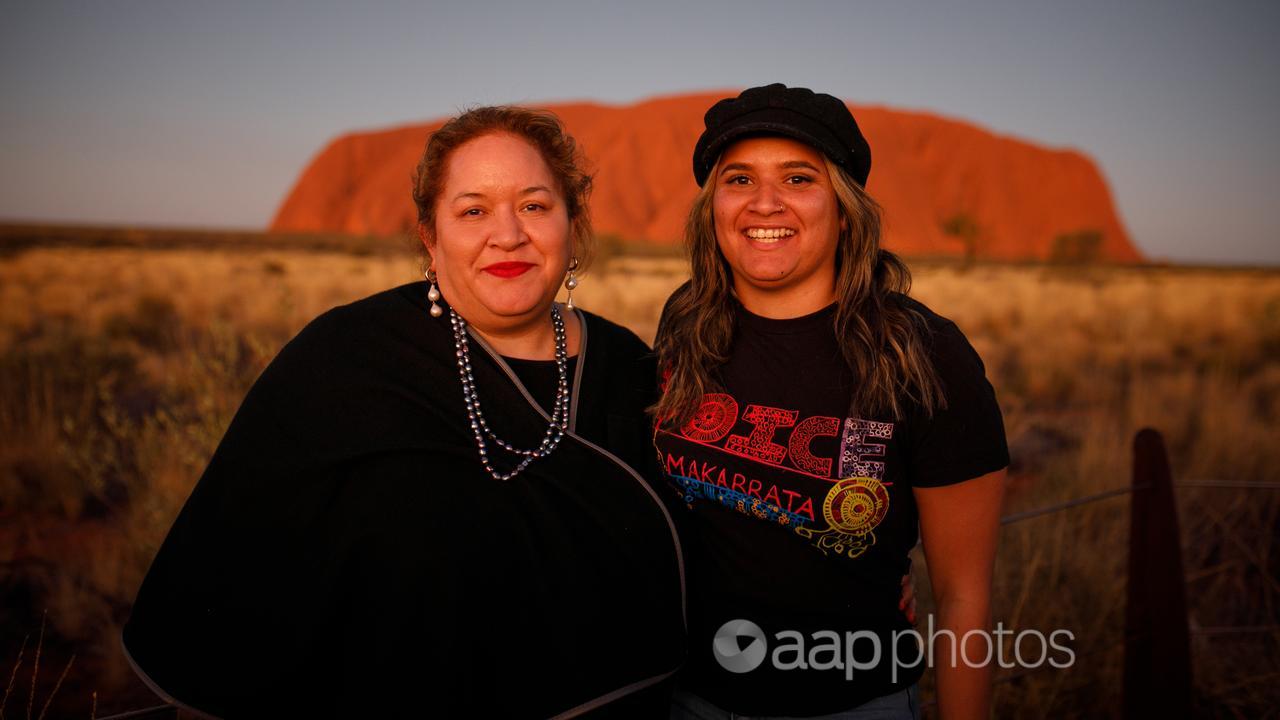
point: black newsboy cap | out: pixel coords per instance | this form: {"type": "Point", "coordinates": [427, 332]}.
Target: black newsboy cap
{"type": "Point", "coordinates": [801, 114]}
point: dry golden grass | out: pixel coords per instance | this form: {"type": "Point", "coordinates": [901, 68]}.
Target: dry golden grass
{"type": "Point", "coordinates": [122, 366]}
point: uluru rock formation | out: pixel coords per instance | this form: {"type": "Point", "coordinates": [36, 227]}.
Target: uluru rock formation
{"type": "Point", "coordinates": [946, 186]}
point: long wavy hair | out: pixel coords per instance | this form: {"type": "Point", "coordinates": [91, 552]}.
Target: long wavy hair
{"type": "Point", "coordinates": [882, 339]}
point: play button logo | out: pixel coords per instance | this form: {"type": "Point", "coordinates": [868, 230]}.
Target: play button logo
{"type": "Point", "coordinates": [739, 646]}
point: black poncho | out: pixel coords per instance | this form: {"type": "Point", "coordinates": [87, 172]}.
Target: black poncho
{"type": "Point", "coordinates": [346, 554]}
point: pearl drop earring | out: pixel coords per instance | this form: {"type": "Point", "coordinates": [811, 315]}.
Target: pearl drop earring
{"type": "Point", "coordinates": [433, 294]}
{"type": "Point", "coordinates": [571, 282]}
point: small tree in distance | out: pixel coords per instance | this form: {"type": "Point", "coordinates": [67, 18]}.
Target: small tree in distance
{"type": "Point", "coordinates": [964, 228]}
{"type": "Point", "coordinates": [1082, 247]}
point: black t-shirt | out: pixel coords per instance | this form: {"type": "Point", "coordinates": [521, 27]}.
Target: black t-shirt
{"type": "Point", "coordinates": [802, 516]}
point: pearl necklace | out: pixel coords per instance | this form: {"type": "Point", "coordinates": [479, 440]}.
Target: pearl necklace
{"type": "Point", "coordinates": [559, 412]}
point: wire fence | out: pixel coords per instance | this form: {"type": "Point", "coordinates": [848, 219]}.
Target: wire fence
{"type": "Point", "coordinates": [1192, 627]}
{"type": "Point", "coordinates": [1115, 492]}
{"type": "Point", "coordinates": [1051, 509]}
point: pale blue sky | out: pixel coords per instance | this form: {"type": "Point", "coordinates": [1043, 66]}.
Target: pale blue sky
{"type": "Point", "coordinates": [202, 114]}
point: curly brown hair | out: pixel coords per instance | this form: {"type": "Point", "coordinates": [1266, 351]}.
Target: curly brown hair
{"type": "Point", "coordinates": [541, 129]}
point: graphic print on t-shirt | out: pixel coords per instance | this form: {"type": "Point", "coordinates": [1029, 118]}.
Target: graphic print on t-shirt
{"type": "Point", "coordinates": [823, 477]}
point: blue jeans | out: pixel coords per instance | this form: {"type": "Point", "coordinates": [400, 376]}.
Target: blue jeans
{"type": "Point", "coordinates": [901, 705]}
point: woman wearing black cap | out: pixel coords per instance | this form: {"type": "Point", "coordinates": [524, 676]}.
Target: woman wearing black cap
{"type": "Point", "coordinates": [815, 419]}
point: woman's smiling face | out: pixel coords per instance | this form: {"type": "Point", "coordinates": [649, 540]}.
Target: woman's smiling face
{"type": "Point", "coordinates": [777, 223]}
{"type": "Point", "coordinates": [502, 234]}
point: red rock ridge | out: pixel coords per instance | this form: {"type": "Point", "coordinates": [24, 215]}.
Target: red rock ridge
{"type": "Point", "coordinates": [925, 171]}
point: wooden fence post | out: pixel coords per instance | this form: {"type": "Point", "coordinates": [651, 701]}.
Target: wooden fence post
{"type": "Point", "coordinates": [1157, 647]}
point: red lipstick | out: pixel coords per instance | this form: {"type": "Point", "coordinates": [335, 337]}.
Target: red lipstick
{"type": "Point", "coordinates": [507, 269]}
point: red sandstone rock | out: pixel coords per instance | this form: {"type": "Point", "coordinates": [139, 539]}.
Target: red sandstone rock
{"type": "Point", "coordinates": [925, 170]}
